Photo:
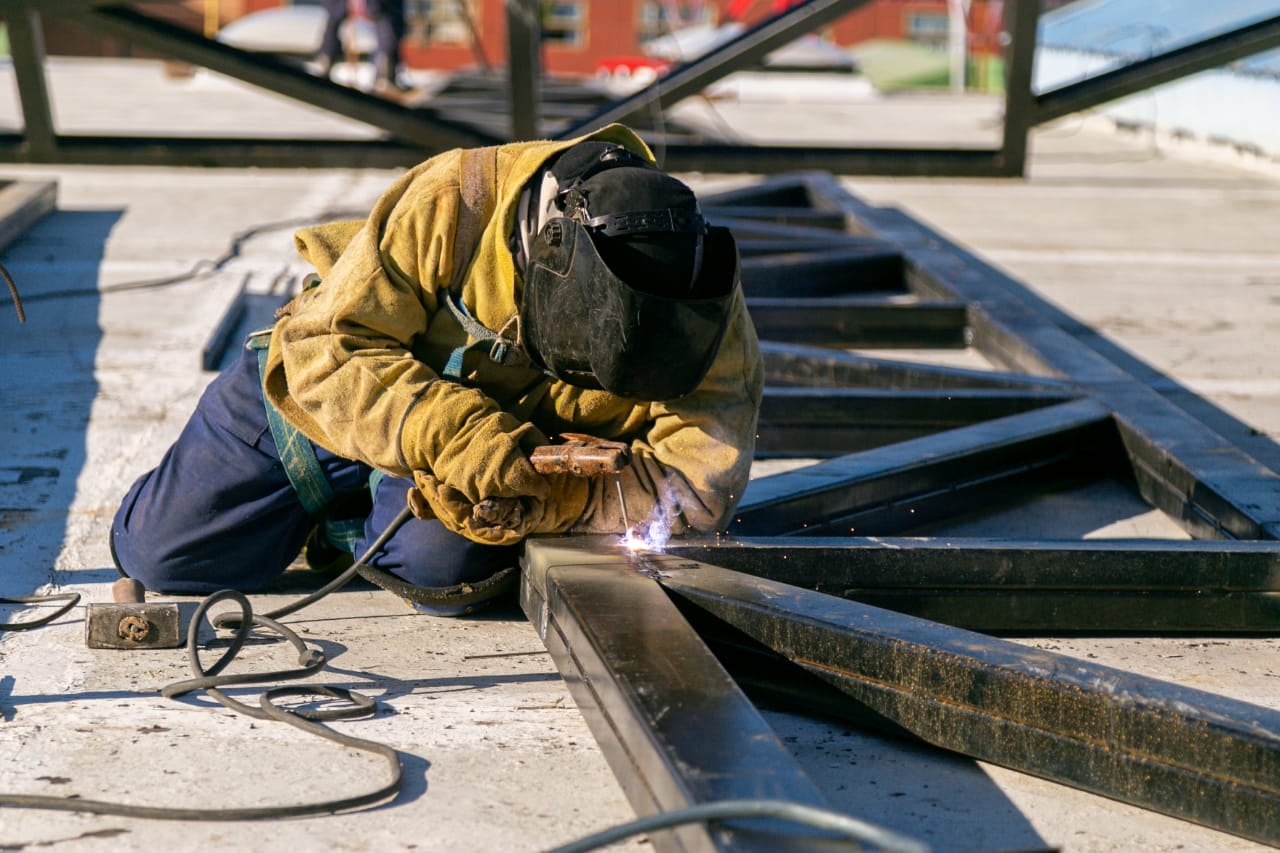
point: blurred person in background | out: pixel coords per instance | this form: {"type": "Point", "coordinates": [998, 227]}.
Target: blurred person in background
{"type": "Point", "coordinates": [389, 24]}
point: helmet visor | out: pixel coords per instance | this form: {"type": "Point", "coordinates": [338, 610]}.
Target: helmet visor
{"type": "Point", "coordinates": [585, 325]}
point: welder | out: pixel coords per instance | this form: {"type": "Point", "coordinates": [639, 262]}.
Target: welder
{"type": "Point", "coordinates": [493, 300]}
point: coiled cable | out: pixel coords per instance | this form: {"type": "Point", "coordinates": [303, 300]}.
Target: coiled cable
{"type": "Point", "coordinates": [210, 680]}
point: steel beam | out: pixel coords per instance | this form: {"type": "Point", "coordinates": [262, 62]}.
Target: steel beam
{"type": "Point", "coordinates": [1048, 587]}
{"type": "Point", "coordinates": [1082, 414]}
{"type": "Point", "coordinates": [208, 152]}
{"type": "Point", "coordinates": [692, 77]}
{"type": "Point", "coordinates": [729, 158]}
{"type": "Point", "coordinates": [1021, 19]}
{"type": "Point", "coordinates": [757, 246]}
{"type": "Point", "coordinates": [774, 191]}
{"type": "Point", "coordinates": [804, 217]}
{"type": "Point", "coordinates": [26, 43]}
{"type": "Point", "coordinates": [672, 723]}
{"type": "Point", "coordinates": [907, 485]}
{"type": "Point", "coordinates": [1212, 488]}
{"type": "Point", "coordinates": [22, 204]}
{"type": "Point", "coordinates": [1184, 752]}
{"type": "Point", "coordinates": [412, 126]}
{"type": "Point", "coordinates": [818, 422]}
{"type": "Point", "coordinates": [759, 229]}
{"type": "Point", "coordinates": [839, 271]}
{"type": "Point", "coordinates": [1203, 55]}
{"type": "Point", "coordinates": [795, 364]}
{"type": "Point", "coordinates": [860, 322]}
{"type": "Point", "coordinates": [524, 67]}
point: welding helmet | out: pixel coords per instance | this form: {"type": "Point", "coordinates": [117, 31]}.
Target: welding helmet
{"type": "Point", "coordinates": [627, 287]}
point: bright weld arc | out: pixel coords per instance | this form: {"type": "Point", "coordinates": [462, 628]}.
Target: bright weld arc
{"type": "Point", "coordinates": [655, 538]}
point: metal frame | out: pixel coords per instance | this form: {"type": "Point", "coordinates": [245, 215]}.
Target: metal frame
{"type": "Point", "coordinates": [828, 594]}
{"type": "Point", "coordinates": [523, 104]}
{"type": "Point", "coordinates": [631, 636]}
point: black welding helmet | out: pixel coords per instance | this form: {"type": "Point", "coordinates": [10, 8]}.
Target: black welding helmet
{"type": "Point", "coordinates": [627, 288]}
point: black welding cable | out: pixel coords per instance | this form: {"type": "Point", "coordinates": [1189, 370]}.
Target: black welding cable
{"type": "Point", "coordinates": [204, 266]}
{"type": "Point", "coordinates": [228, 621]}
{"type": "Point", "coordinates": [71, 599]}
{"type": "Point", "coordinates": [824, 819]}
{"type": "Point", "coordinates": [13, 293]}
{"type": "Point", "coordinates": [209, 680]}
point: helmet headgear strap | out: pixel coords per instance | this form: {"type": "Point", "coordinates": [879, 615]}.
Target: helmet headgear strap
{"type": "Point", "coordinates": [575, 205]}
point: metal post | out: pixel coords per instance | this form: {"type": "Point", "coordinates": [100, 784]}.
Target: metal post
{"type": "Point", "coordinates": [957, 36]}
{"type": "Point", "coordinates": [524, 43]}
{"type": "Point", "coordinates": [26, 43]}
{"type": "Point", "coordinates": [1021, 17]}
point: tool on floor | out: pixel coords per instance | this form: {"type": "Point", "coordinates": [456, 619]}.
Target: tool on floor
{"type": "Point", "coordinates": [129, 622]}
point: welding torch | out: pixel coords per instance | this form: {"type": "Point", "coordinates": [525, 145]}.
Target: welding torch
{"type": "Point", "coordinates": [577, 455]}
{"type": "Point", "coordinates": [586, 456]}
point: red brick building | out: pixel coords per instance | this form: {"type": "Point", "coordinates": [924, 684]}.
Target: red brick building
{"type": "Point", "coordinates": [578, 34]}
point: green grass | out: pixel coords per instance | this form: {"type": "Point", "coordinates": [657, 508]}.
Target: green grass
{"type": "Point", "coordinates": [891, 64]}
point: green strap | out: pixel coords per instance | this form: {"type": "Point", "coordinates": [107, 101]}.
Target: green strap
{"type": "Point", "coordinates": [294, 449]}
{"type": "Point", "coordinates": [477, 190]}
{"type": "Point", "coordinates": [499, 349]}
{"type": "Point", "coordinates": [298, 457]}
{"type": "Point", "coordinates": [375, 477]}
{"type": "Point", "coordinates": [343, 533]}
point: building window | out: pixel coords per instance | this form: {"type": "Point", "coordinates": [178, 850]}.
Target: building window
{"type": "Point", "coordinates": [564, 23]}
{"type": "Point", "coordinates": [441, 21]}
{"type": "Point", "coordinates": [661, 17]}
{"type": "Point", "coordinates": [928, 28]}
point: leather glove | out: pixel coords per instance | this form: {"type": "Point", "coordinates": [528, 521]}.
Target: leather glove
{"type": "Point", "coordinates": [491, 521]}
{"type": "Point", "coordinates": [461, 439]}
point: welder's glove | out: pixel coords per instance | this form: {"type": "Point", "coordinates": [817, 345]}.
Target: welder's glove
{"type": "Point", "coordinates": [491, 521]}
{"type": "Point", "coordinates": [470, 464]}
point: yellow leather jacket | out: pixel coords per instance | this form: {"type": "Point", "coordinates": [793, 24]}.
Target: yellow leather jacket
{"type": "Point", "coordinates": [355, 365]}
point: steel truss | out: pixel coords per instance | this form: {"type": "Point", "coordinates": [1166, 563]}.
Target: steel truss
{"type": "Point", "coordinates": [817, 597]}
{"type": "Point", "coordinates": [523, 104]}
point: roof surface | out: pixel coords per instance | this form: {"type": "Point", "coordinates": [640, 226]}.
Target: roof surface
{"type": "Point", "coordinates": [1173, 258]}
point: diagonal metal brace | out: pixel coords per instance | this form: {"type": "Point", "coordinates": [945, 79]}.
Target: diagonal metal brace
{"type": "Point", "coordinates": [1187, 753]}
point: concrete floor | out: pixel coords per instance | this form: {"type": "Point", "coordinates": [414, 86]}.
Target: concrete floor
{"type": "Point", "coordinates": [1172, 258]}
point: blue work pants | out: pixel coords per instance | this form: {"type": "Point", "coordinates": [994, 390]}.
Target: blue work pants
{"type": "Point", "coordinates": [218, 511]}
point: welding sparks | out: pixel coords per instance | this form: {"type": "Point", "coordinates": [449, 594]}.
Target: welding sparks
{"type": "Point", "coordinates": [632, 543]}
{"type": "Point", "coordinates": [654, 533]}
{"type": "Point", "coordinates": [653, 536]}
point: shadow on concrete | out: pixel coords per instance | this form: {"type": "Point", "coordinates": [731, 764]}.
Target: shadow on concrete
{"type": "Point", "coordinates": [48, 386]}
{"type": "Point", "coordinates": [943, 799]}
